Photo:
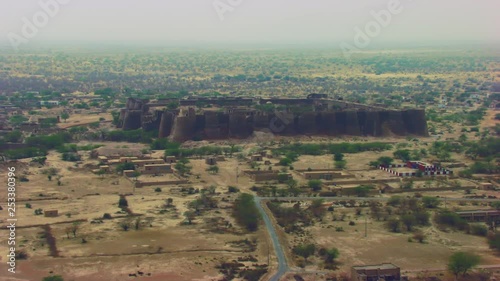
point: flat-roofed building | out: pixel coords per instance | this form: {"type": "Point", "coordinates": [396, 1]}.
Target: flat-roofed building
{"type": "Point", "coordinates": [480, 215]}
{"type": "Point", "coordinates": [256, 157]}
{"type": "Point", "coordinates": [211, 161]}
{"type": "Point", "coordinates": [486, 186]}
{"type": "Point", "coordinates": [51, 213]}
{"type": "Point", "coordinates": [324, 175]}
{"type": "Point", "coordinates": [384, 271]}
{"type": "Point", "coordinates": [170, 159]}
{"type": "Point", "coordinates": [260, 176]}
{"type": "Point", "coordinates": [157, 169]}
{"type": "Point", "coordinates": [142, 163]}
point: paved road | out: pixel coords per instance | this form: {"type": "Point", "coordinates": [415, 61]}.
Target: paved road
{"type": "Point", "coordinates": [278, 249]}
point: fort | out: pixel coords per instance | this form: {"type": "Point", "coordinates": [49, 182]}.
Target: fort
{"type": "Point", "coordinates": [223, 118]}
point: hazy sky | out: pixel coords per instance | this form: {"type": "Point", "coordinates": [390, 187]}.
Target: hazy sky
{"type": "Point", "coordinates": [257, 21]}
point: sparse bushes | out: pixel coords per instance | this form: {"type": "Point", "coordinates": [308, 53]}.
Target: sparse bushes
{"type": "Point", "coordinates": [430, 202]}
{"type": "Point", "coordinates": [70, 157]}
{"type": "Point", "coordinates": [384, 160]}
{"type": "Point", "coordinates": [419, 236]}
{"type": "Point", "coordinates": [182, 166]}
{"type": "Point", "coordinates": [494, 241]}
{"type": "Point", "coordinates": [53, 278]}
{"type": "Point", "coordinates": [305, 250]}
{"type": "Point", "coordinates": [451, 219]}
{"type": "Point", "coordinates": [478, 229]}
{"type": "Point", "coordinates": [125, 224]}
{"type": "Point", "coordinates": [333, 148]}
{"type": "Point", "coordinates": [213, 169]}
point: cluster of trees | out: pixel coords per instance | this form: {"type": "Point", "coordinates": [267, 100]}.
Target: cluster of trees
{"type": "Point", "coordinates": [246, 213]}
{"type": "Point", "coordinates": [332, 148]}
{"type": "Point", "coordinates": [406, 212]}
{"type": "Point", "coordinates": [290, 218]}
{"type": "Point", "coordinates": [447, 218]}
{"type": "Point", "coordinates": [204, 202]}
{"type": "Point", "coordinates": [39, 145]}
{"type": "Point", "coordinates": [173, 149]}
{"type": "Point", "coordinates": [289, 158]}
{"type": "Point", "coordinates": [137, 136]}
{"type": "Point", "coordinates": [410, 155]}
{"type": "Point", "coordinates": [485, 148]}
{"type": "Point", "coordinates": [363, 190]}
{"type": "Point", "coordinates": [384, 161]}
{"type": "Point", "coordinates": [22, 153]}
{"type": "Point", "coordinates": [49, 141]}
{"type": "Point", "coordinates": [182, 166]}
{"type": "Point", "coordinates": [469, 118]}
{"type": "Point", "coordinates": [307, 250]}
{"type": "Point", "coordinates": [71, 157]}
{"type": "Point", "coordinates": [48, 122]}
{"type": "Point", "coordinates": [14, 137]}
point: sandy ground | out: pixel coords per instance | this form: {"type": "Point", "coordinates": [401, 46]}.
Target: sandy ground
{"type": "Point", "coordinates": [381, 246]}
{"type": "Point", "coordinates": [162, 246]}
{"type": "Point", "coordinates": [489, 120]}
{"type": "Point", "coordinates": [83, 119]}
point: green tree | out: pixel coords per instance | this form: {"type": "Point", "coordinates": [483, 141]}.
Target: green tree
{"type": "Point", "coordinates": [190, 216]}
{"type": "Point", "coordinates": [291, 183]}
{"type": "Point", "coordinates": [17, 119]}
{"type": "Point", "coordinates": [124, 167]}
{"type": "Point", "coordinates": [340, 164]}
{"type": "Point", "coordinates": [65, 116]}
{"type": "Point", "coordinates": [338, 156]}
{"type": "Point", "coordinates": [496, 205]}
{"type": "Point", "coordinates": [461, 262]}
{"type": "Point", "coordinates": [394, 225]}
{"type": "Point", "coordinates": [384, 160]}
{"type": "Point", "coordinates": [331, 255]}
{"type": "Point", "coordinates": [182, 167]}
{"type": "Point", "coordinates": [317, 208]}
{"type": "Point", "coordinates": [430, 202]}
{"type": "Point", "coordinates": [362, 190]}
{"type": "Point", "coordinates": [403, 154]}
{"type": "Point", "coordinates": [304, 250]}
{"type": "Point", "coordinates": [315, 185]}
{"type": "Point", "coordinates": [409, 221]}
{"type": "Point", "coordinates": [246, 213]}
{"type": "Point", "coordinates": [14, 136]}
